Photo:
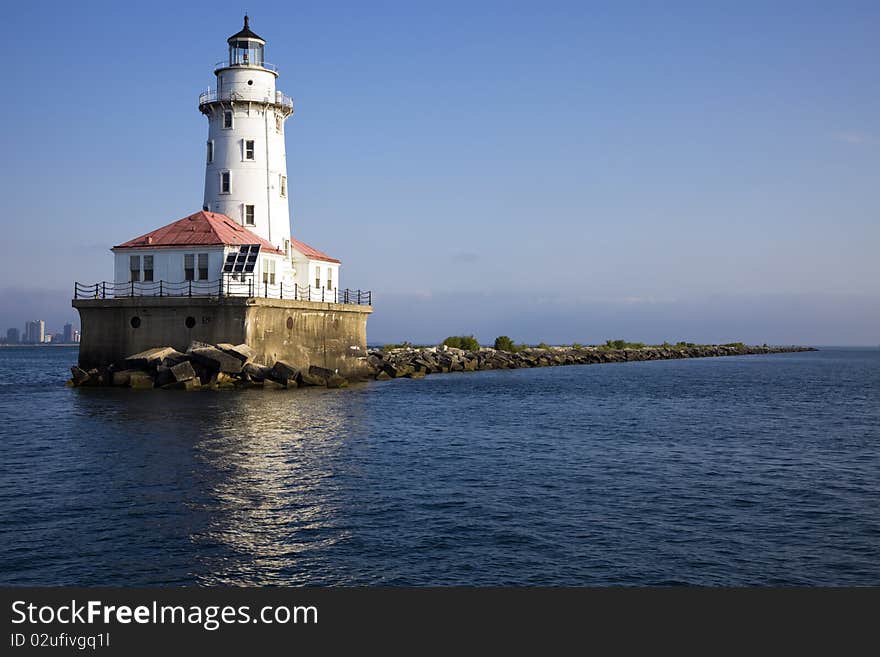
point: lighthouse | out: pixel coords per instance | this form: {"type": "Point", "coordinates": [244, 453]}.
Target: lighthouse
{"type": "Point", "coordinates": [231, 271]}
{"type": "Point", "coordinates": [245, 159]}
{"type": "Point", "coordinates": [241, 237]}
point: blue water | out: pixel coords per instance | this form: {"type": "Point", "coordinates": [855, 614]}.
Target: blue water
{"type": "Point", "coordinates": [754, 470]}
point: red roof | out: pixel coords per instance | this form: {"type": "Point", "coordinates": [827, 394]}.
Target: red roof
{"type": "Point", "coordinates": [199, 229]}
{"type": "Point", "coordinates": [310, 252]}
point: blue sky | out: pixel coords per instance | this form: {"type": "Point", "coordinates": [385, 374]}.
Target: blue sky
{"type": "Point", "coordinates": [561, 171]}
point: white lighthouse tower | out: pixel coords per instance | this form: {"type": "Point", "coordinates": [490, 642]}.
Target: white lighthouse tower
{"type": "Point", "coordinates": [246, 164]}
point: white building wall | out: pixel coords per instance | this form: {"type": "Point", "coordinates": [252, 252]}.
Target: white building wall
{"type": "Point", "coordinates": [307, 272]}
{"type": "Point", "coordinates": [168, 263]}
{"type": "Point", "coordinates": [168, 266]}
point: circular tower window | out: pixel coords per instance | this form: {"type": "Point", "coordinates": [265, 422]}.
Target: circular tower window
{"type": "Point", "coordinates": [250, 82]}
{"type": "Point", "coordinates": [135, 321]}
{"type": "Point", "coordinates": [289, 323]}
{"type": "Point", "coordinates": [190, 322]}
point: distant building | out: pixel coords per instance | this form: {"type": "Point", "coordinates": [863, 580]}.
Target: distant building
{"type": "Point", "coordinates": [67, 337]}
{"type": "Point", "coordinates": [35, 331]}
{"type": "Point", "coordinates": [12, 336]}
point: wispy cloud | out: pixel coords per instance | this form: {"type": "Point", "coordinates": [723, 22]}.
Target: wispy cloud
{"type": "Point", "coordinates": [858, 138]}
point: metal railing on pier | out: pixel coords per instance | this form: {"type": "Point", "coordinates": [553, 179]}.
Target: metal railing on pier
{"type": "Point", "coordinates": [224, 287]}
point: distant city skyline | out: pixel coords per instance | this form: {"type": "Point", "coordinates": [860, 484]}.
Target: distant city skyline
{"type": "Point", "coordinates": [558, 172]}
{"type": "Point", "coordinates": [35, 332]}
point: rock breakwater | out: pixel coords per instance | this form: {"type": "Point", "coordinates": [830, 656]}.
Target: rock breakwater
{"type": "Point", "coordinates": [207, 366]}
{"type": "Point", "coordinates": [416, 362]}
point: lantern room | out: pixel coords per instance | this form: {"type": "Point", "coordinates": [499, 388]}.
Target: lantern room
{"type": "Point", "coordinates": [246, 47]}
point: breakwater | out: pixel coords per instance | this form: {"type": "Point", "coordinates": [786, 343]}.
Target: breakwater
{"type": "Point", "coordinates": [213, 366]}
{"type": "Point", "coordinates": [416, 362]}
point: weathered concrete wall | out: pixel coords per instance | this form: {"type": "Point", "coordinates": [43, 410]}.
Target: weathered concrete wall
{"type": "Point", "coordinates": [304, 333]}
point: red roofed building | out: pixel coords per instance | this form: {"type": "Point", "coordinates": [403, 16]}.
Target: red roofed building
{"type": "Point", "coordinates": [206, 249]}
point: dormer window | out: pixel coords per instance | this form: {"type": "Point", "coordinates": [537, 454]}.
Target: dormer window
{"type": "Point", "coordinates": [227, 119]}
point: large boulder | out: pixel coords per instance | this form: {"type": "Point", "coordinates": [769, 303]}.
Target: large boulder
{"type": "Point", "coordinates": [241, 351]}
{"type": "Point", "coordinates": [323, 372]}
{"type": "Point", "coordinates": [316, 376]}
{"type": "Point", "coordinates": [336, 381]}
{"type": "Point", "coordinates": [183, 371]}
{"type": "Point", "coordinates": [216, 360]}
{"type": "Point", "coordinates": [79, 376]}
{"type": "Point", "coordinates": [256, 372]}
{"type": "Point", "coordinates": [284, 370]}
{"type": "Point", "coordinates": [174, 359]}
{"type": "Point", "coordinates": [148, 359]}
{"type": "Point", "coordinates": [141, 381]}
{"type": "Point", "coordinates": [123, 377]}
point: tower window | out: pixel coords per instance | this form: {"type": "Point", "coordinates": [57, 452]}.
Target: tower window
{"type": "Point", "coordinates": [210, 151]}
{"type": "Point", "coordinates": [224, 182]}
{"type": "Point", "coordinates": [148, 268]}
{"type": "Point", "coordinates": [134, 266]}
{"type": "Point", "coordinates": [279, 123]}
{"type": "Point", "coordinates": [189, 267]}
{"type": "Point", "coordinates": [203, 266]}
{"type": "Point", "coordinates": [249, 149]}
{"type": "Point", "coordinates": [283, 185]}
{"type": "Point", "coordinates": [227, 119]}
{"type": "Point", "coordinates": [249, 215]}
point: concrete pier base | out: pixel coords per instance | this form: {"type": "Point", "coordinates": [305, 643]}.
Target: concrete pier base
{"type": "Point", "coordinates": [303, 333]}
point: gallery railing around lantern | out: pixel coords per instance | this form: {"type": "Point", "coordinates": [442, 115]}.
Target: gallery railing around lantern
{"type": "Point", "coordinates": [228, 286]}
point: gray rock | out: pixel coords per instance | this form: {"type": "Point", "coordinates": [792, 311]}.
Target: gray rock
{"type": "Point", "coordinates": [322, 372]}
{"type": "Point", "coordinates": [215, 359]}
{"type": "Point", "coordinates": [149, 358]}
{"type": "Point", "coordinates": [336, 381]}
{"type": "Point", "coordinates": [241, 351]}
{"type": "Point", "coordinates": [78, 375]}
{"type": "Point", "coordinates": [122, 377]}
{"type": "Point", "coordinates": [183, 371]}
{"type": "Point", "coordinates": [256, 372]}
{"type": "Point", "coordinates": [283, 370]}
{"type": "Point", "coordinates": [141, 380]}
